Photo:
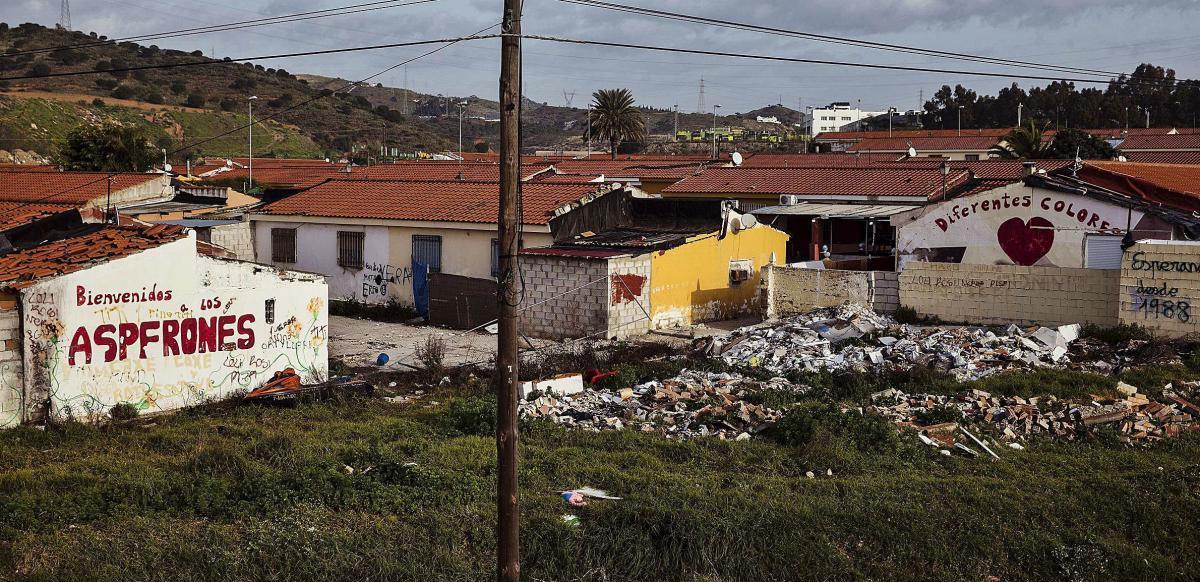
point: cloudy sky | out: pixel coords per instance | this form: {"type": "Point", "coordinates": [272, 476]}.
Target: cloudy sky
{"type": "Point", "coordinates": [1096, 34]}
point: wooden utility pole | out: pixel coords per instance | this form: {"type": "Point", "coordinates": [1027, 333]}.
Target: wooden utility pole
{"type": "Point", "coordinates": [508, 531]}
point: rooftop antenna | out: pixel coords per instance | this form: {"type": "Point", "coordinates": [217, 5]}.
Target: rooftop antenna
{"type": "Point", "coordinates": [568, 97]}
{"type": "Point", "coordinates": [700, 99]}
{"type": "Point", "coordinates": [64, 15]}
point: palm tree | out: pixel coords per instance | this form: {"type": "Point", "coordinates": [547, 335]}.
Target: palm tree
{"type": "Point", "coordinates": [615, 118]}
{"type": "Point", "coordinates": [1025, 144]}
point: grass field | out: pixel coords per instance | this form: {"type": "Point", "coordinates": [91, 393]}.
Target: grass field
{"type": "Point", "coordinates": [372, 490]}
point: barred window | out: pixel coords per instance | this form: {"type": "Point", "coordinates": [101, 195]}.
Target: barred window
{"type": "Point", "coordinates": [428, 250]}
{"type": "Point", "coordinates": [283, 245]}
{"type": "Point", "coordinates": [350, 249]}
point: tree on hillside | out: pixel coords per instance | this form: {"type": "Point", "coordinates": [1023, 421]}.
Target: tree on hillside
{"type": "Point", "coordinates": [1025, 143]}
{"type": "Point", "coordinates": [615, 119]}
{"type": "Point", "coordinates": [1069, 141]}
{"type": "Point", "coordinates": [107, 148]}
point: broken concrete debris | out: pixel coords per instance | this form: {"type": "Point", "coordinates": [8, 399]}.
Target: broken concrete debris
{"type": "Point", "coordinates": [852, 336]}
{"type": "Point", "coordinates": [688, 405]}
{"type": "Point", "coordinates": [1135, 416]}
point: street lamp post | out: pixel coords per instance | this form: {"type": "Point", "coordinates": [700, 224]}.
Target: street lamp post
{"type": "Point", "coordinates": [462, 106]}
{"type": "Point", "coordinates": [589, 131]}
{"type": "Point", "coordinates": [250, 108]}
{"type": "Point", "coordinates": [1019, 106]}
{"type": "Point", "coordinates": [960, 108]}
{"type": "Point", "coordinates": [891, 112]}
{"type": "Point", "coordinates": [716, 152]}
{"type": "Point", "coordinates": [676, 136]}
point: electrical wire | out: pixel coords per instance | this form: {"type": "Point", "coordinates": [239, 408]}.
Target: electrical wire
{"type": "Point", "coordinates": [828, 62]}
{"type": "Point", "coordinates": [834, 39]}
{"type": "Point", "coordinates": [284, 19]}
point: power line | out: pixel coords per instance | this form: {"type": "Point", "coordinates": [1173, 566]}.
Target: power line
{"type": "Point", "coordinates": [448, 43]}
{"type": "Point", "coordinates": [822, 61]}
{"type": "Point", "coordinates": [284, 19]}
{"type": "Point", "coordinates": [834, 39]}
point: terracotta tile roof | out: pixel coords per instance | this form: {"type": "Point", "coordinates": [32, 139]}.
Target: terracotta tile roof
{"type": "Point", "coordinates": [14, 214]}
{"type": "Point", "coordinates": [926, 144]}
{"type": "Point", "coordinates": [25, 267]}
{"type": "Point", "coordinates": [816, 160]}
{"type": "Point", "coordinates": [1164, 157]}
{"type": "Point", "coordinates": [28, 168]}
{"type": "Point", "coordinates": [439, 171]}
{"type": "Point", "coordinates": [1119, 132]}
{"type": "Point", "coordinates": [603, 157]}
{"type": "Point", "coordinates": [264, 163]}
{"type": "Point", "coordinates": [641, 169]}
{"type": "Point", "coordinates": [448, 201]}
{"type": "Point", "coordinates": [911, 133]}
{"type": "Point", "coordinates": [1006, 169]}
{"type": "Point", "coordinates": [1161, 142]}
{"type": "Point", "coordinates": [77, 188]}
{"type": "Point", "coordinates": [855, 182]}
{"type": "Point", "coordinates": [1181, 178]}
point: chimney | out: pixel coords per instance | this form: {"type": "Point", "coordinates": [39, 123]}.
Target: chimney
{"type": "Point", "coordinates": [1030, 168]}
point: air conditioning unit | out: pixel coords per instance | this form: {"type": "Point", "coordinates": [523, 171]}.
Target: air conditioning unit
{"type": "Point", "coordinates": [789, 200]}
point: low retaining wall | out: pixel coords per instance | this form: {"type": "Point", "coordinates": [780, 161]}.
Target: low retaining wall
{"type": "Point", "coordinates": [1160, 287]}
{"type": "Point", "coordinates": [790, 290]}
{"type": "Point", "coordinates": [1000, 294]}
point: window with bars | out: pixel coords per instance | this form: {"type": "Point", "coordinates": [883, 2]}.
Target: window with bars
{"type": "Point", "coordinates": [427, 249]}
{"type": "Point", "coordinates": [283, 245]}
{"type": "Point", "coordinates": [350, 249]}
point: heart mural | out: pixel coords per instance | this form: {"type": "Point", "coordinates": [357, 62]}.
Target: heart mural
{"type": "Point", "coordinates": [1026, 242]}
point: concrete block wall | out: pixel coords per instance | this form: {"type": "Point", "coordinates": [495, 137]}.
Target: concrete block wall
{"type": "Point", "coordinates": [1001, 294]}
{"type": "Point", "coordinates": [551, 309]}
{"type": "Point", "coordinates": [1160, 287]}
{"type": "Point", "coordinates": [237, 238]}
{"type": "Point", "coordinates": [629, 296]}
{"type": "Point", "coordinates": [791, 290]}
{"type": "Point", "coordinates": [11, 365]}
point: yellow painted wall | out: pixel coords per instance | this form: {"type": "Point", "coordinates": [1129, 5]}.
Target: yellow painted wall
{"type": "Point", "coordinates": [690, 283]}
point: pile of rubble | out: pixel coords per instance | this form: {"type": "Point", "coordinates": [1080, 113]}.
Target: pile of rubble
{"type": "Point", "coordinates": [852, 336]}
{"type": "Point", "coordinates": [1013, 418]}
{"type": "Point", "coordinates": [689, 405]}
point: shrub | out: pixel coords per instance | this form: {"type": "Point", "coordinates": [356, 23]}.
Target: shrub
{"type": "Point", "coordinates": [228, 104]}
{"type": "Point", "coordinates": [41, 69]}
{"type": "Point", "coordinates": [123, 411]}
{"type": "Point", "coordinates": [106, 83]}
{"type": "Point", "coordinates": [139, 75]}
{"type": "Point", "coordinates": [123, 92]}
{"type": "Point", "coordinates": [905, 314]}
{"type": "Point", "coordinates": [156, 98]}
{"type": "Point", "coordinates": [98, 102]}
{"type": "Point", "coordinates": [196, 100]}
{"type": "Point", "coordinates": [1117, 333]}
{"type": "Point", "coordinates": [178, 87]}
{"type": "Point", "coordinates": [102, 66]}
{"type": "Point", "coordinates": [802, 424]}
{"type": "Point", "coordinates": [432, 354]}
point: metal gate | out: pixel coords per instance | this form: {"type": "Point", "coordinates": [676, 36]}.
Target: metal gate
{"type": "Point", "coordinates": [1102, 251]}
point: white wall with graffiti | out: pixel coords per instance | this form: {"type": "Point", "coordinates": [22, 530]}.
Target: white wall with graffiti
{"type": "Point", "coordinates": [166, 328]}
{"type": "Point", "coordinates": [1013, 225]}
{"type": "Point", "coordinates": [378, 281]}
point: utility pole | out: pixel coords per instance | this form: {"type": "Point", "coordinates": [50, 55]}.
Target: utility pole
{"type": "Point", "coordinates": [589, 130]}
{"type": "Point", "coordinates": [462, 106]}
{"type": "Point", "coordinates": [676, 135]}
{"type": "Point", "coordinates": [716, 152]}
{"type": "Point", "coordinates": [960, 108]}
{"type": "Point", "coordinates": [250, 107]}
{"type": "Point", "coordinates": [404, 103]}
{"type": "Point", "coordinates": [508, 526]}
{"type": "Point", "coordinates": [1019, 107]}
{"type": "Point", "coordinates": [1147, 118]}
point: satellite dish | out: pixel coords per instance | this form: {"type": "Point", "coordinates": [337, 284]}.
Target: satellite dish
{"type": "Point", "coordinates": [166, 167]}
{"type": "Point", "coordinates": [737, 158]}
{"type": "Point", "coordinates": [912, 152]}
{"type": "Point", "coordinates": [748, 221]}
{"type": "Point", "coordinates": [1122, 159]}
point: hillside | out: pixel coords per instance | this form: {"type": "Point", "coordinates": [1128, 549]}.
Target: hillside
{"type": "Point", "coordinates": [184, 106]}
{"type": "Point", "coordinates": [214, 94]}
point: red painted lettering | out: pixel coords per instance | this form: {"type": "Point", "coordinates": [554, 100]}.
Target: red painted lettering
{"type": "Point", "coordinates": [170, 337]}
{"type": "Point", "coordinates": [225, 325]}
{"type": "Point", "coordinates": [80, 343]}
{"type": "Point", "coordinates": [247, 340]}
{"type": "Point", "coordinates": [103, 338]}
{"type": "Point", "coordinates": [127, 333]}
{"type": "Point", "coordinates": [148, 336]}
{"type": "Point", "coordinates": [80, 295]}
{"type": "Point", "coordinates": [187, 336]}
{"type": "Point", "coordinates": [207, 334]}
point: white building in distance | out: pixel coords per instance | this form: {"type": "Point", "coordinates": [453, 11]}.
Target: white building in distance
{"type": "Point", "coordinates": [837, 116]}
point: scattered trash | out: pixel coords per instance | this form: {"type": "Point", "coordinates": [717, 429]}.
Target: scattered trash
{"type": "Point", "coordinates": [283, 385]}
{"type": "Point", "coordinates": [853, 336]}
{"type": "Point", "coordinates": [689, 405]}
{"type": "Point", "coordinates": [594, 375]}
{"type": "Point", "coordinates": [571, 520]}
{"type": "Point", "coordinates": [1136, 416]}
{"type": "Point", "coordinates": [562, 385]}
{"type": "Point", "coordinates": [285, 388]}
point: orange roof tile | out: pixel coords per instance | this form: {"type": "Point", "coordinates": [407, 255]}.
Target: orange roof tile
{"type": "Point", "coordinates": [911, 133]}
{"type": "Point", "coordinates": [65, 187]}
{"type": "Point", "coordinates": [847, 182]}
{"type": "Point", "coordinates": [816, 160]}
{"type": "Point", "coordinates": [446, 201]}
{"type": "Point", "coordinates": [1164, 157]}
{"type": "Point", "coordinates": [25, 267]}
{"type": "Point", "coordinates": [926, 144]}
{"type": "Point", "coordinates": [1161, 142]}
{"type": "Point", "coordinates": [1181, 178]}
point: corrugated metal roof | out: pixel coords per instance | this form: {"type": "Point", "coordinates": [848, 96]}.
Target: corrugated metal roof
{"type": "Point", "coordinates": [836, 210]}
